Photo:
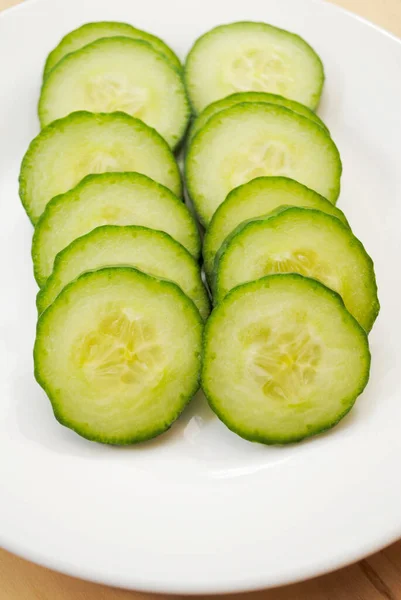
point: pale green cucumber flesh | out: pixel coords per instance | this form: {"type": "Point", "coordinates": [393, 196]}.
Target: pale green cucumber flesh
{"type": "Point", "coordinates": [304, 241]}
{"type": "Point", "coordinates": [247, 56]}
{"type": "Point", "coordinates": [283, 359]}
{"type": "Point", "coordinates": [118, 74]}
{"type": "Point", "coordinates": [252, 140]}
{"type": "Point", "coordinates": [254, 199]}
{"type": "Point", "coordinates": [109, 199]}
{"type": "Point", "coordinates": [89, 32]}
{"type": "Point", "coordinates": [242, 97]}
{"type": "Point", "coordinates": [83, 143]}
{"type": "Point", "coordinates": [118, 354]}
{"type": "Point", "coordinates": [151, 251]}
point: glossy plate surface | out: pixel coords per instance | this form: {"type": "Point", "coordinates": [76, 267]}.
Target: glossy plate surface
{"type": "Point", "coordinates": [200, 510]}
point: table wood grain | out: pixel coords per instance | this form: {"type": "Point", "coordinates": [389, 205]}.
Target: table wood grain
{"type": "Point", "coordinates": [375, 578]}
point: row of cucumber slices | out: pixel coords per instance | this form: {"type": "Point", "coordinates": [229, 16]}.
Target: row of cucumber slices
{"type": "Point", "coordinates": [115, 249]}
{"type": "Point", "coordinates": [286, 352]}
{"type": "Point", "coordinates": [121, 346]}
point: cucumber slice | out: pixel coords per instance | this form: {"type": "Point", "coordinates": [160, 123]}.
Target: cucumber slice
{"type": "Point", "coordinates": [252, 140]}
{"type": "Point", "coordinates": [242, 97]}
{"type": "Point", "coordinates": [283, 359]}
{"type": "Point", "coordinates": [93, 31]}
{"type": "Point", "coordinates": [118, 354]}
{"type": "Point", "coordinates": [246, 56]}
{"type": "Point", "coordinates": [83, 143]}
{"type": "Point", "coordinates": [304, 241]}
{"type": "Point", "coordinates": [118, 74]}
{"type": "Point", "coordinates": [255, 199]}
{"type": "Point", "coordinates": [153, 252]}
{"type": "Point", "coordinates": [109, 199]}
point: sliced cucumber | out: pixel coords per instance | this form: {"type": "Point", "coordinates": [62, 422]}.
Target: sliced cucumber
{"type": "Point", "coordinates": [118, 354]}
{"type": "Point", "coordinates": [283, 359]}
{"type": "Point", "coordinates": [153, 252]}
{"type": "Point", "coordinates": [82, 143]}
{"type": "Point", "coordinates": [304, 241]}
{"type": "Point", "coordinates": [109, 199]}
{"type": "Point", "coordinates": [242, 97]}
{"type": "Point", "coordinates": [93, 31]}
{"type": "Point", "coordinates": [252, 140]}
{"type": "Point", "coordinates": [255, 199]}
{"type": "Point", "coordinates": [118, 74]}
{"type": "Point", "coordinates": [246, 56]}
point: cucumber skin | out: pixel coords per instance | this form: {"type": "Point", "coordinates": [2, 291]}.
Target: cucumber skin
{"type": "Point", "coordinates": [249, 287]}
{"type": "Point", "coordinates": [210, 123]}
{"type": "Point", "coordinates": [77, 116]}
{"type": "Point", "coordinates": [235, 191]}
{"type": "Point", "coordinates": [263, 25]}
{"type": "Point", "coordinates": [375, 308]}
{"type": "Point", "coordinates": [169, 53]}
{"type": "Point", "coordinates": [41, 324]}
{"type": "Point", "coordinates": [142, 43]}
{"type": "Point", "coordinates": [59, 198]}
{"type": "Point", "coordinates": [61, 256]}
{"type": "Point", "coordinates": [201, 120]}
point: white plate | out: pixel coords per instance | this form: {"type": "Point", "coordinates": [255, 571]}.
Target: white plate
{"type": "Point", "coordinates": [200, 510]}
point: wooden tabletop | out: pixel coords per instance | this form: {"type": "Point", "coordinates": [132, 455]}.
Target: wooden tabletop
{"type": "Point", "coordinates": [375, 578]}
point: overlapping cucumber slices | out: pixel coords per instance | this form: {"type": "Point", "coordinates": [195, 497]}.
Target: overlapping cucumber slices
{"type": "Point", "coordinates": [304, 241]}
{"type": "Point", "coordinates": [109, 199]}
{"type": "Point", "coordinates": [118, 74]}
{"type": "Point", "coordinates": [149, 250]}
{"type": "Point", "coordinates": [285, 349]}
{"type": "Point", "coordinates": [83, 143]}
{"type": "Point", "coordinates": [90, 32]}
{"type": "Point", "coordinates": [251, 140]}
{"type": "Point", "coordinates": [241, 97]}
{"type": "Point", "coordinates": [115, 249]}
{"type": "Point", "coordinates": [256, 198]}
{"type": "Point", "coordinates": [120, 348]}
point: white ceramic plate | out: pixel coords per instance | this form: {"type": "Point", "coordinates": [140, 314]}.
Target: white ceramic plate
{"type": "Point", "coordinates": [200, 510]}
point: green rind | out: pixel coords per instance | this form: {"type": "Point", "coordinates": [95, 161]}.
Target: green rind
{"type": "Point", "coordinates": [83, 116]}
{"type": "Point", "coordinates": [70, 42]}
{"type": "Point", "coordinates": [190, 158]}
{"type": "Point", "coordinates": [266, 184]}
{"type": "Point", "coordinates": [99, 44]}
{"type": "Point", "coordinates": [254, 436]}
{"type": "Point", "coordinates": [249, 97]}
{"type": "Point", "coordinates": [64, 297]}
{"type": "Point", "coordinates": [274, 220]}
{"type": "Point", "coordinates": [261, 25]}
{"type": "Point", "coordinates": [72, 196]}
{"type": "Point", "coordinates": [48, 293]}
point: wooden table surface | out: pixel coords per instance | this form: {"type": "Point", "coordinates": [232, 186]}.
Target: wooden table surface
{"type": "Point", "coordinates": [375, 578]}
